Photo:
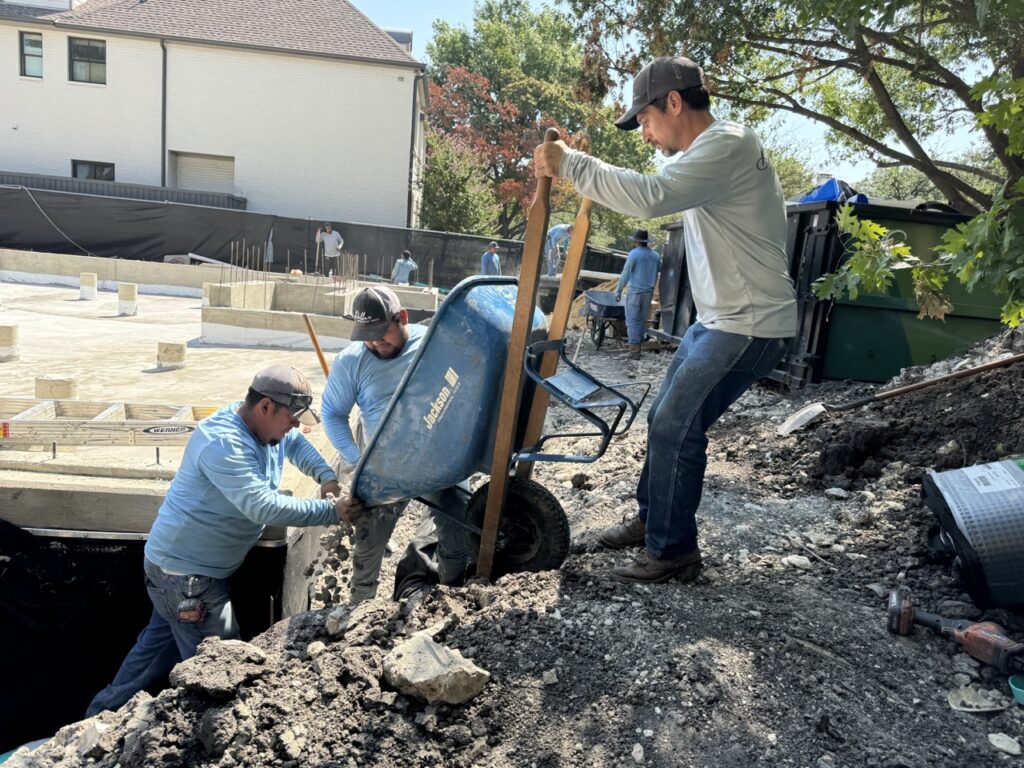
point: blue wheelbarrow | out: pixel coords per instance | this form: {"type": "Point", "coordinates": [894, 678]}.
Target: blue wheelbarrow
{"type": "Point", "coordinates": [439, 428]}
{"type": "Point", "coordinates": [603, 313]}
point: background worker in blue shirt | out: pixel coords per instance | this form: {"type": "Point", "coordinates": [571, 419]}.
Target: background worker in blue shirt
{"type": "Point", "coordinates": [223, 495]}
{"type": "Point", "coordinates": [366, 374]}
{"type": "Point", "coordinates": [556, 243]}
{"type": "Point", "coordinates": [640, 274]}
{"type": "Point", "coordinates": [489, 264]}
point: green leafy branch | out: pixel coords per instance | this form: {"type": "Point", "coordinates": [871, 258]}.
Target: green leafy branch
{"type": "Point", "coordinates": [873, 254]}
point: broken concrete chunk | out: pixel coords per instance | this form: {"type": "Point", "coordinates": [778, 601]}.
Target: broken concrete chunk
{"type": "Point", "coordinates": [798, 561]}
{"type": "Point", "coordinates": [292, 741]}
{"type": "Point", "coordinates": [425, 669]}
{"type": "Point", "coordinates": [550, 677]}
{"type": "Point", "coordinates": [1004, 743]}
{"type": "Point", "coordinates": [337, 620]}
{"type": "Point", "coordinates": [219, 667]}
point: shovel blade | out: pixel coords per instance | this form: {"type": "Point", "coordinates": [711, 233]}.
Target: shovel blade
{"type": "Point", "coordinates": [801, 418]}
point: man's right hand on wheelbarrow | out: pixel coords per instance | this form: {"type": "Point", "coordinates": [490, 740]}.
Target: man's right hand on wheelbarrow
{"type": "Point", "coordinates": [349, 509]}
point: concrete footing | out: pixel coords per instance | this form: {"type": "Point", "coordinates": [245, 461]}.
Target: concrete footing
{"type": "Point", "coordinates": [87, 286]}
{"type": "Point", "coordinates": [170, 355]}
{"type": "Point", "coordinates": [127, 299]}
{"type": "Point", "coordinates": [9, 344]}
{"type": "Point", "coordinates": [56, 388]}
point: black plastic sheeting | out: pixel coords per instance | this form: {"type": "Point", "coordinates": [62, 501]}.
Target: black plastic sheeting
{"type": "Point", "coordinates": [63, 222]}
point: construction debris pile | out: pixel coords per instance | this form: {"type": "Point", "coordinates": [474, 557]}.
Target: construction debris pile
{"type": "Point", "coordinates": [777, 655]}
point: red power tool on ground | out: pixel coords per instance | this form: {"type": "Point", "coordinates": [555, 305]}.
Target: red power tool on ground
{"type": "Point", "coordinates": [984, 640]}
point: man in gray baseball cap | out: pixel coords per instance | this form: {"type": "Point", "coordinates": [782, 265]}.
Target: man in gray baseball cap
{"type": "Point", "coordinates": [658, 79]}
{"type": "Point", "coordinates": [722, 183]}
{"type": "Point", "coordinates": [287, 386]}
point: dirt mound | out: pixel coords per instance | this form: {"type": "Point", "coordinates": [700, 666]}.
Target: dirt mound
{"type": "Point", "coordinates": [777, 655]}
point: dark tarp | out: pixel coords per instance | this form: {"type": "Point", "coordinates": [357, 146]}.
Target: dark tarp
{"type": "Point", "coordinates": [63, 222]}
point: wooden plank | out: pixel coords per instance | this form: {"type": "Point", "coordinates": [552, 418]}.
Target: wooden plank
{"type": "Point", "coordinates": [115, 411]}
{"type": "Point", "coordinates": [556, 329]}
{"type": "Point", "coordinates": [512, 386]}
{"type": "Point", "coordinates": [42, 505]}
{"type": "Point", "coordinates": [10, 406]}
{"type": "Point", "coordinates": [41, 410]}
{"type": "Point", "coordinates": [75, 409]}
{"type": "Point", "coordinates": [182, 414]}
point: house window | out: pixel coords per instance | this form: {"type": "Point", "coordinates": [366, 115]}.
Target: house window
{"type": "Point", "coordinates": [31, 54]}
{"type": "Point", "coordinates": [87, 60]}
{"type": "Point", "coordinates": [87, 169]}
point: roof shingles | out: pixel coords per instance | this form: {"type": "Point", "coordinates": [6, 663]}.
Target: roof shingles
{"type": "Point", "coordinates": [318, 27]}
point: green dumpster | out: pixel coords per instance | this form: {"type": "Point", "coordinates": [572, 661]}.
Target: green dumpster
{"type": "Point", "coordinates": [873, 337]}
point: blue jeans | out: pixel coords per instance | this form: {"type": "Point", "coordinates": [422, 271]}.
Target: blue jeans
{"type": "Point", "coordinates": [709, 372]}
{"type": "Point", "coordinates": [166, 641]}
{"type": "Point", "coordinates": [637, 306]}
{"type": "Point", "coordinates": [551, 258]}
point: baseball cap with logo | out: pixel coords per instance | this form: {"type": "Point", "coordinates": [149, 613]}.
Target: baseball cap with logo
{"type": "Point", "coordinates": [373, 309]}
{"type": "Point", "coordinates": [288, 387]}
{"type": "Point", "coordinates": [657, 79]}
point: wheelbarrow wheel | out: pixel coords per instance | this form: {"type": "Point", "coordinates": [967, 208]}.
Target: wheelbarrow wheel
{"type": "Point", "coordinates": [597, 333]}
{"type": "Point", "coordinates": [533, 534]}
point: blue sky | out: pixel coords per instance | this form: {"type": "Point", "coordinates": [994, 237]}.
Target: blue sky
{"type": "Point", "coordinates": [805, 135]}
{"type": "Point", "coordinates": [417, 16]}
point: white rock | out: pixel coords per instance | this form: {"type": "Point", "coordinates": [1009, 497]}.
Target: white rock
{"type": "Point", "coordinates": [315, 648]}
{"type": "Point", "coordinates": [638, 754]}
{"type": "Point", "coordinates": [820, 539]}
{"type": "Point", "coordinates": [798, 561]}
{"type": "Point", "coordinates": [1004, 743]}
{"type": "Point", "coordinates": [550, 677]}
{"type": "Point", "coordinates": [836, 493]}
{"type": "Point", "coordinates": [420, 667]}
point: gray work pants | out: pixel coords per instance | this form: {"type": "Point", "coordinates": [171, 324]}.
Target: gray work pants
{"type": "Point", "coordinates": [374, 529]}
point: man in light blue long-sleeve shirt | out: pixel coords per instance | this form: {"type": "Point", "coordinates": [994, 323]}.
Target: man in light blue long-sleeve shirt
{"type": "Point", "coordinates": [366, 374]}
{"type": "Point", "coordinates": [403, 269]}
{"type": "Point", "coordinates": [640, 274]}
{"type": "Point", "coordinates": [222, 497]}
{"type": "Point", "coordinates": [557, 241]}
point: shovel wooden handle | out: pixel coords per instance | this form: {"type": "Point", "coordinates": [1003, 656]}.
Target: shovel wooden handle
{"type": "Point", "coordinates": [316, 346]}
{"type": "Point", "coordinates": [930, 382]}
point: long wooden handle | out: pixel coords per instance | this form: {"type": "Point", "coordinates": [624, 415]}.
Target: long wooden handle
{"type": "Point", "coordinates": [512, 384]}
{"type": "Point", "coordinates": [556, 328]}
{"type": "Point", "coordinates": [316, 346]}
{"type": "Point", "coordinates": [930, 382]}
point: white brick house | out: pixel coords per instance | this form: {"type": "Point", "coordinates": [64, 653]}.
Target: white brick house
{"type": "Point", "coordinates": [303, 107]}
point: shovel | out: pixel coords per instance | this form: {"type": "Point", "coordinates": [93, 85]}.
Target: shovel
{"type": "Point", "coordinates": [809, 413]}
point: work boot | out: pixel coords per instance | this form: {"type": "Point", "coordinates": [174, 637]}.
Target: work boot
{"type": "Point", "coordinates": [634, 351]}
{"type": "Point", "coordinates": [631, 532]}
{"type": "Point", "coordinates": [649, 570]}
